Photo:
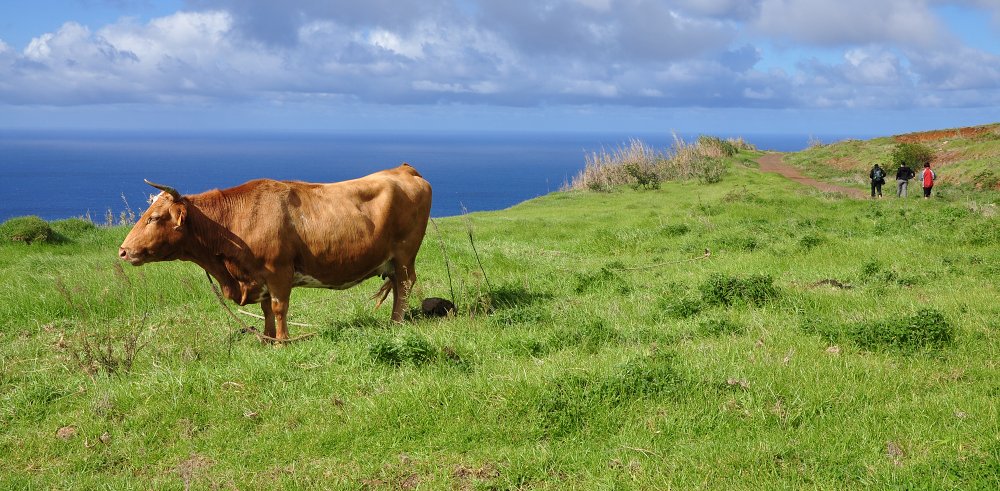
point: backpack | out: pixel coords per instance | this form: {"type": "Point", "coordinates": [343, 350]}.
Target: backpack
{"type": "Point", "coordinates": [878, 174]}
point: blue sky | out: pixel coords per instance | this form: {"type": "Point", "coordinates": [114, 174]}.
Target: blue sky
{"type": "Point", "coordinates": [852, 67]}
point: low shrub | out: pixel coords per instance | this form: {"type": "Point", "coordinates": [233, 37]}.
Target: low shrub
{"type": "Point", "coordinates": [26, 229]}
{"type": "Point", "coordinates": [412, 348]}
{"type": "Point", "coordinates": [679, 307]}
{"type": "Point", "coordinates": [709, 170]}
{"type": "Point", "coordinates": [926, 329]}
{"type": "Point", "coordinates": [105, 351]}
{"type": "Point", "coordinates": [644, 177]}
{"type": "Point", "coordinates": [754, 289]}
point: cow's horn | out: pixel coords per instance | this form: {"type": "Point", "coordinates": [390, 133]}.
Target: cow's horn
{"type": "Point", "coordinates": [166, 189]}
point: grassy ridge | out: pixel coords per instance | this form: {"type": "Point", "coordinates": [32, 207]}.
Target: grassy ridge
{"type": "Point", "coordinates": [963, 158]}
{"type": "Point", "coordinates": [609, 353]}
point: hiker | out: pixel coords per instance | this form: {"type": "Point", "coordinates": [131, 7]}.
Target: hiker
{"type": "Point", "coordinates": [903, 176]}
{"type": "Point", "coordinates": [928, 177]}
{"type": "Point", "coordinates": [877, 175]}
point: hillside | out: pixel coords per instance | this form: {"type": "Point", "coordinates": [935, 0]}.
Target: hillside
{"type": "Point", "coordinates": [963, 157]}
{"type": "Point", "coordinates": [821, 343]}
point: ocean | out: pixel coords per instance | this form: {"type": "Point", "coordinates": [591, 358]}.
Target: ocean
{"type": "Point", "coordinates": [62, 174]}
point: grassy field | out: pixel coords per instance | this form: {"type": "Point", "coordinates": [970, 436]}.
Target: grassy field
{"type": "Point", "coordinates": [823, 343]}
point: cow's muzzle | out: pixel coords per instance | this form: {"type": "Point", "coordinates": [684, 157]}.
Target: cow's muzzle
{"type": "Point", "coordinates": [133, 258]}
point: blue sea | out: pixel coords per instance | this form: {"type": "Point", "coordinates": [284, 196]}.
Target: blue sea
{"type": "Point", "coordinates": [70, 174]}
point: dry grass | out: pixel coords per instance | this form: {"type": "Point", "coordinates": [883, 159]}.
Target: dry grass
{"type": "Point", "coordinates": [638, 165]}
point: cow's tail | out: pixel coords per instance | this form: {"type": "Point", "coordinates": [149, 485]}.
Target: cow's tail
{"type": "Point", "coordinates": [382, 293]}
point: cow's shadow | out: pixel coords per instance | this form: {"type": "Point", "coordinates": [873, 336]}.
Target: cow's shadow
{"type": "Point", "coordinates": [509, 297]}
{"type": "Point", "coordinates": [484, 303]}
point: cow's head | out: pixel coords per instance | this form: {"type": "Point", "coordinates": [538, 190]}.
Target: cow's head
{"type": "Point", "coordinates": [158, 233]}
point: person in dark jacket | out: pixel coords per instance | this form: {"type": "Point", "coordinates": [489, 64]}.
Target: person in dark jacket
{"type": "Point", "coordinates": [903, 176]}
{"type": "Point", "coordinates": [877, 176]}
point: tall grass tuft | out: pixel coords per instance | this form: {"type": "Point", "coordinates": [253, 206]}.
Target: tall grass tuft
{"type": "Point", "coordinates": [640, 166]}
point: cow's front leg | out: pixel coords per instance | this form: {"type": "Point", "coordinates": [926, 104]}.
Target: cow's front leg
{"type": "Point", "coordinates": [265, 305]}
{"type": "Point", "coordinates": [280, 308]}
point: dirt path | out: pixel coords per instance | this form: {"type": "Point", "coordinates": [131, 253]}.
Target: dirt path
{"type": "Point", "coordinates": [772, 163]}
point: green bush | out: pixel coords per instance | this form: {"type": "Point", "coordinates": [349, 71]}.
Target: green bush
{"type": "Point", "coordinates": [709, 170]}
{"type": "Point", "coordinates": [754, 289]}
{"type": "Point", "coordinates": [644, 177]}
{"type": "Point", "coordinates": [914, 155]}
{"type": "Point", "coordinates": [26, 229]}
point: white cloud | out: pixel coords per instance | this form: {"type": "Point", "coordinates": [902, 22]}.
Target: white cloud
{"type": "Point", "coordinates": [683, 53]}
{"type": "Point", "coordinates": [872, 67]}
{"type": "Point", "coordinates": [955, 70]}
{"type": "Point", "coordinates": [591, 88]}
{"type": "Point", "coordinates": [851, 22]}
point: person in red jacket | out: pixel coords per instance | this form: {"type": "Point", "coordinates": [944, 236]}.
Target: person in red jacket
{"type": "Point", "coordinates": [928, 176]}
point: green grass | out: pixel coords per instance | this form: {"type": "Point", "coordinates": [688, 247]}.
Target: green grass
{"type": "Point", "coordinates": [610, 352]}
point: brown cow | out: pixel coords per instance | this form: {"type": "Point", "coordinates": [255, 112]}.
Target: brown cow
{"type": "Point", "coordinates": [265, 237]}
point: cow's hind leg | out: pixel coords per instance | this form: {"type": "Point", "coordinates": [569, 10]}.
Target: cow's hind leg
{"type": "Point", "coordinates": [265, 305]}
{"type": "Point", "coordinates": [403, 279]}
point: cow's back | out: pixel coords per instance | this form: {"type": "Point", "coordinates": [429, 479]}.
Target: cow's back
{"type": "Point", "coordinates": [349, 228]}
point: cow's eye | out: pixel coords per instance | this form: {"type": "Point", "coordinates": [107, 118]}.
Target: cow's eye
{"type": "Point", "coordinates": [154, 218]}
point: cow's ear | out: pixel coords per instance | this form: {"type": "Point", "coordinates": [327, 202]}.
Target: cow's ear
{"type": "Point", "coordinates": [182, 212]}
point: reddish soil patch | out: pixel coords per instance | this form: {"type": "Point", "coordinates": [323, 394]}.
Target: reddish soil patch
{"type": "Point", "coordinates": [944, 159]}
{"type": "Point", "coordinates": [772, 163]}
{"type": "Point", "coordinates": [927, 136]}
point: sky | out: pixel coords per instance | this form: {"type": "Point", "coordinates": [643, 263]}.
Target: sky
{"type": "Point", "coordinates": [728, 67]}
